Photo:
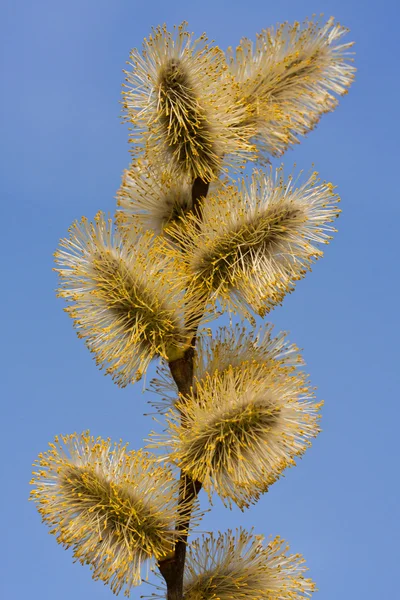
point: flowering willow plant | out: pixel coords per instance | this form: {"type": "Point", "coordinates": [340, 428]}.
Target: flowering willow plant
{"type": "Point", "coordinates": [191, 239]}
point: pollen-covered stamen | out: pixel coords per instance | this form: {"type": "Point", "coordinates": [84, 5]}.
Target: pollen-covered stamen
{"type": "Point", "coordinates": [240, 566]}
{"type": "Point", "coordinates": [130, 302]}
{"type": "Point", "coordinates": [230, 348]}
{"type": "Point", "coordinates": [116, 509]}
{"type": "Point", "coordinates": [185, 106]}
{"type": "Point", "coordinates": [293, 72]}
{"type": "Point", "coordinates": [227, 436]}
{"type": "Point", "coordinates": [150, 198]}
{"type": "Point", "coordinates": [176, 209]}
{"type": "Point", "coordinates": [254, 241]}
{"type": "Point", "coordinates": [187, 131]}
{"type": "Point", "coordinates": [290, 78]}
{"type": "Point", "coordinates": [240, 428]}
{"type": "Point", "coordinates": [126, 299]}
{"type": "Point", "coordinates": [119, 511]}
{"type": "Point", "coordinates": [261, 234]}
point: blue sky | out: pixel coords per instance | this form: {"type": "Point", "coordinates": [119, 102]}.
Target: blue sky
{"type": "Point", "coordinates": [62, 156]}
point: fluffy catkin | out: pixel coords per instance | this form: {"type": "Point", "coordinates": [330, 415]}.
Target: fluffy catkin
{"type": "Point", "coordinates": [238, 565]}
{"type": "Point", "coordinates": [115, 508]}
{"type": "Point", "coordinates": [126, 299]}
{"type": "Point", "coordinates": [244, 422]}
{"type": "Point", "coordinates": [289, 78]}
{"type": "Point", "coordinates": [254, 241]}
{"type": "Point", "coordinates": [184, 105]}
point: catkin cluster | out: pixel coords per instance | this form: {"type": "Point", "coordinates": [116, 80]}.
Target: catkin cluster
{"type": "Point", "coordinates": [191, 239]}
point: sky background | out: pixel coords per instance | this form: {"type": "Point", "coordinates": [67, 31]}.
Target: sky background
{"type": "Point", "coordinates": [62, 154]}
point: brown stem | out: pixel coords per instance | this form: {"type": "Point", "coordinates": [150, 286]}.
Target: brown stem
{"type": "Point", "coordinates": [199, 190]}
{"type": "Point", "coordinates": [182, 371]}
{"type": "Point", "coordinates": [172, 569]}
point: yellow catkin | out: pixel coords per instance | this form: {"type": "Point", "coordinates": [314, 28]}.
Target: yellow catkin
{"type": "Point", "coordinates": [238, 565]}
{"type": "Point", "coordinates": [153, 199]}
{"type": "Point", "coordinates": [115, 508]}
{"type": "Point", "coordinates": [289, 78]}
{"type": "Point", "coordinates": [150, 199]}
{"type": "Point", "coordinates": [126, 299]}
{"type": "Point", "coordinates": [228, 347]}
{"type": "Point", "coordinates": [250, 414]}
{"type": "Point", "coordinates": [255, 241]}
{"type": "Point", "coordinates": [184, 105]}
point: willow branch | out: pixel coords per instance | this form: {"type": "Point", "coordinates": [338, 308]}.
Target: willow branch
{"type": "Point", "coordinates": [172, 569]}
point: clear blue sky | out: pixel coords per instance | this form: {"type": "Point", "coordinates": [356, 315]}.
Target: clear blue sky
{"type": "Point", "coordinates": [63, 151]}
